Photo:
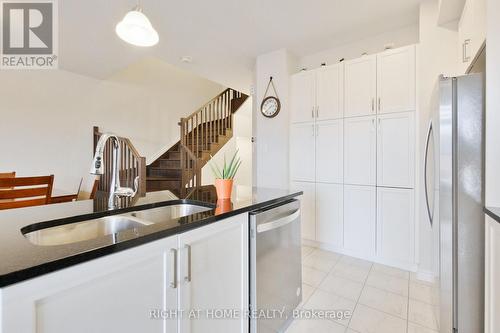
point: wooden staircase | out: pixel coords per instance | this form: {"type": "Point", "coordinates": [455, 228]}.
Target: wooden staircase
{"type": "Point", "coordinates": [202, 134]}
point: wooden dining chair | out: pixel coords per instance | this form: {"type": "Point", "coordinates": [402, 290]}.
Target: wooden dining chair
{"type": "Point", "coordinates": [25, 191]}
{"type": "Point", "coordinates": [88, 188]}
{"type": "Point", "coordinates": [7, 175]}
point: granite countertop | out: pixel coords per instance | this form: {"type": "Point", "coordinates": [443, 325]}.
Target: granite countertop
{"type": "Point", "coordinates": [21, 260]}
{"type": "Point", "coordinates": [493, 212]}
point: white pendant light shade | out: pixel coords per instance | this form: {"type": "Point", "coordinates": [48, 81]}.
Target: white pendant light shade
{"type": "Point", "coordinates": [136, 29]}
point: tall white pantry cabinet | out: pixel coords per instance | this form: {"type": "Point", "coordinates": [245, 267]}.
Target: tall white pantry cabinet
{"type": "Point", "coordinates": [352, 152]}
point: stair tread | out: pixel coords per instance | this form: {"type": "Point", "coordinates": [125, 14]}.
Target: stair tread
{"type": "Point", "coordinates": [163, 178]}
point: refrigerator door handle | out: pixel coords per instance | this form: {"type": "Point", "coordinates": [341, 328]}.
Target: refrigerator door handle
{"type": "Point", "coordinates": [427, 141]}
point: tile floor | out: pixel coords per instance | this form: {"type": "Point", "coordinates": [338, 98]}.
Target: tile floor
{"type": "Point", "coordinates": [381, 299]}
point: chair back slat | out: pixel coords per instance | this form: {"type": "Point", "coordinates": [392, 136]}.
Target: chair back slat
{"type": "Point", "coordinates": [25, 181]}
{"type": "Point", "coordinates": [7, 175]}
{"type": "Point", "coordinates": [22, 203]}
{"type": "Point", "coordinates": [34, 190]}
{"type": "Point", "coordinates": [24, 193]}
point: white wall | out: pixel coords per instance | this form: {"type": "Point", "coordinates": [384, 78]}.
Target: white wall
{"type": "Point", "coordinates": [47, 116]}
{"type": "Point", "coordinates": [436, 54]}
{"type": "Point", "coordinates": [271, 146]}
{"type": "Point", "coordinates": [493, 104]}
{"type": "Point", "coordinates": [241, 141]}
{"type": "Point", "coordinates": [370, 45]}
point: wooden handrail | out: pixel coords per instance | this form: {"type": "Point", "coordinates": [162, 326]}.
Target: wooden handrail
{"type": "Point", "coordinates": [132, 165]}
{"type": "Point", "coordinates": [200, 130]}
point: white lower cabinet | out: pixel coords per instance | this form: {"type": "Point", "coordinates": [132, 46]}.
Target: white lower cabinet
{"type": "Point", "coordinates": [329, 214]}
{"type": "Point", "coordinates": [125, 292]}
{"type": "Point", "coordinates": [359, 220]}
{"type": "Point", "coordinates": [307, 207]}
{"type": "Point", "coordinates": [214, 275]}
{"type": "Point", "coordinates": [395, 226]}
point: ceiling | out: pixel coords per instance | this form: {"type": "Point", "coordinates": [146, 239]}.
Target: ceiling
{"type": "Point", "coordinates": [222, 36]}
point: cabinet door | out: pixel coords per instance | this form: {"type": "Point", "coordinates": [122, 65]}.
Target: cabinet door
{"type": "Point", "coordinates": [396, 226]}
{"type": "Point", "coordinates": [330, 92]}
{"type": "Point", "coordinates": [359, 219]}
{"type": "Point", "coordinates": [213, 268]}
{"type": "Point", "coordinates": [360, 151]}
{"type": "Point", "coordinates": [396, 150]}
{"type": "Point", "coordinates": [308, 208]}
{"type": "Point", "coordinates": [471, 32]}
{"type": "Point", "coordinates": [360, 86]}
{"type": "Point", "coordinates": [330, 151]}
{"type": "Point", "coordinates": [329, 214]}
{"type": "Point", "coordinates": [123, 292]}
{"type": "Point", "coordinates": [396, 80]}
{"type": "Point", "coordinates": [302, 152]}
{"type": "Point", "coordinates": [303, 96]}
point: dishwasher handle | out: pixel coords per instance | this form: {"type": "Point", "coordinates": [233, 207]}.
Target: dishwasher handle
{"type": "Point", "coordinates": [279, 222]}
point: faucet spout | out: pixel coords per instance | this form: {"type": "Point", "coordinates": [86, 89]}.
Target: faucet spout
{"type": "Point", "coordinates": [97, 168]}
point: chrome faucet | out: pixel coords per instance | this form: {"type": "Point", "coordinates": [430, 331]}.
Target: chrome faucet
{"type": "Point", "coordinates": [97, 168]}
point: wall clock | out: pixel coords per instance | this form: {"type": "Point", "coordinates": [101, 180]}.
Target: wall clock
{"type": "Point", "coordinates": [271, 105]}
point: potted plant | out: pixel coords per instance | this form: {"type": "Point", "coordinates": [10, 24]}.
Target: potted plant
{"type": "Point", "coordinates": [224, 177]}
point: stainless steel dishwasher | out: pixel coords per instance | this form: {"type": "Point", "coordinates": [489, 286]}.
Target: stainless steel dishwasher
{"type": "Point", "coordinates": [275, 266]}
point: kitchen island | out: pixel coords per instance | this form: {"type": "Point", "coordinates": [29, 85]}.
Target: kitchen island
{"type": "Point", "coordinates": [140, 279]}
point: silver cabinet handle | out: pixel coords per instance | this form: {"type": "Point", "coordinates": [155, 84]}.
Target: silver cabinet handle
{"type": "Point", "coordinates": [379, 104]}
{"type": "Point", "coordinates": [312, 112]}
{"type": "Point", "coordinates": [373, 104]}
{"type": "Point", "coordinates": [173, 281]}
{"type": "Point", "coordinates": [317, 111]}
{"type": "Point", "coordinates": [465, 58]}
{"type": "Point", "coordinates": [426, 153]}
{"type": "Point", "coordinates": [279, 222]}
{"type": "Point", "coordinates": [187, 278]}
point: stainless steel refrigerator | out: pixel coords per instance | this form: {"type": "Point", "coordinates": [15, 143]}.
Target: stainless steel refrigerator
{"type": "Point", "coordinates": [455, 200]}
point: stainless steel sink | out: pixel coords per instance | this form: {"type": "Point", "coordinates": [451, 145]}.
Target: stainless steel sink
{"type": "Point", "coordinates": [80, 231]}
{"type": "Point", "coordinates": [167, 213]}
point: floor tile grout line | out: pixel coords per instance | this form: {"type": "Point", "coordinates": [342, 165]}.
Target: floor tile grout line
{"type": "Point", "coordinates": [357, 301]}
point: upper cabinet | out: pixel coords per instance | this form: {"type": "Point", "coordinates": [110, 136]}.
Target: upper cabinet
{"type": "Point", "coordinates": [317, 94]}
{"type": "Point", "coordinates": [330, 92]}
{"type": "Point", "coordinates": [303, 99]}
{"type": "Point", "coordinates": [471, 32]}
{"type": "Point", "coordinates": [396, 80]}
{"type": "Point", "coordinates": [360, 86]}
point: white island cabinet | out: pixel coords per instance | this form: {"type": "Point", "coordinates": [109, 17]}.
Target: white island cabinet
{"type": "Point", "coordinates": [126, 292]}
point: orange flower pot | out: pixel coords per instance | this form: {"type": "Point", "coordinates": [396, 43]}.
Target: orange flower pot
{"type": "Point", "coordinates": [224, 187]}
{"type": "Point", "coordinates": [223, 206]}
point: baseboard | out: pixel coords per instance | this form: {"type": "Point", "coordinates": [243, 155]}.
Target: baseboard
{"type": "Point", "coordinates": [384, 261]}
{"type": "Point", "coordinates": [426, 275]}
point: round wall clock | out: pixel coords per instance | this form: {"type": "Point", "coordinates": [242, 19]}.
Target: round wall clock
{"type": "Point", "coordinates": [271, 105]}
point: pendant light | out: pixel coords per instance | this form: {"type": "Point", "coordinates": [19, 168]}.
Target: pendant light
{"type": "Point", "coordinates": [136, 29]}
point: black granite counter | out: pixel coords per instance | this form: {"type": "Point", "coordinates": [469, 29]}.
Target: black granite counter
{"type": "Point", "coordinates": [493, 212]}
{"type": "Point", "coordinates": [21, 260]}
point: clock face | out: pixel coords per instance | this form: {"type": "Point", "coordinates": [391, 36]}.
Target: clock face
{"type": "Point", "coordinates": [270, 106]}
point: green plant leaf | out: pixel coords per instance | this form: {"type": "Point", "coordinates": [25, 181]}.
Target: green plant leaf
{"type": "Point", "coordinates": [236, 169]}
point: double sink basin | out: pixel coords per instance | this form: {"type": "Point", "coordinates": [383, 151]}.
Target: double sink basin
{"type": "Point", "coordinates": [110, 225]}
